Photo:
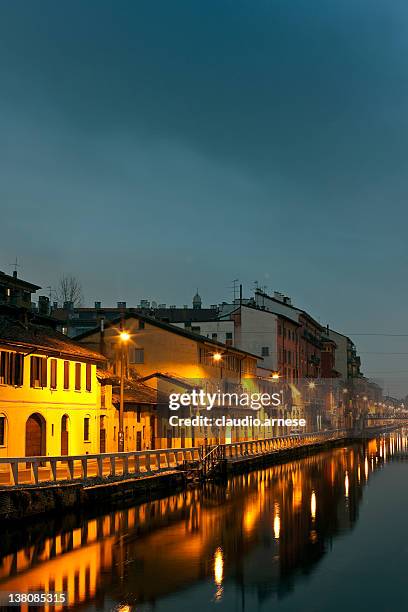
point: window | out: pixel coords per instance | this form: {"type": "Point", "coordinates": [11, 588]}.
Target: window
{"type": "Point", "coordinates": [138, 355]}
{"type": "Point", "coordinates": [53, 373]}
{"type": "Point", "coordinates": [2, 430]}
{"type": "Point", "coordinates": [38, 374]}
{"type": "Point", "coordinates": [138, 414]}
{"type": "Point", "coordinates": [86, 429]}
{"type": "Point", "coordinates": [88, 377]}
{"type": "Point", "coordinates": [228, 335]}
{"type": "Point", "coordinates": [66, 374]}
{"type": "Point", "coordinates": [265, 351]}
{"type": "Point", "coordinates": [195, 329]}
{"type": "Point", "coordinates": [11, 368]}
{"type": "Point", "coordinates": [141, 324]}
{"type": "Point", "coordinates": [77, 377]}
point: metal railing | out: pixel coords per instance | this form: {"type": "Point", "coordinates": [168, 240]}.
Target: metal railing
{"type": "Point", "coordinates": [69, 468]}
{"type": "Point", "coordinates": [211, 457]}
{"type": "Point", "coordinates": [238, 450]}
{"type": "Point", "coordinates": [72, 468]}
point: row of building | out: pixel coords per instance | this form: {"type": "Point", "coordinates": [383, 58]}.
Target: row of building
{"type": "Point", "coordinates": [62, 368]}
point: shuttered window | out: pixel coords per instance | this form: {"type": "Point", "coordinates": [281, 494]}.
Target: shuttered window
{"type": "Point", "coordinates": [77, 377]}
{"type": "Point", "coordinates": [38, 371]}
{"type": "Point", "coordinates": [66, 374]}
{"type": "Point", "coordinates": [11, 368]}
{"type": "Point", "coordinates": [88, 377]}
{"type": "Point", "coordinates": [53, 373]}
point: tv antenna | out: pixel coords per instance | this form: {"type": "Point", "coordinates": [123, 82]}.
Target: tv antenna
{"type": "Point", "coordinates": [15, 265]}
{"type": "Point", "coordinates": [234, 287]}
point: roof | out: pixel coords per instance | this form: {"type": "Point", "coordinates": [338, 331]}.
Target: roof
{"type": "Point", "coordinates": [299, 310]}
{"type": "Point", "coordinates": [258, 309]}
{"type": "Point", "coordinates": [186, 315]}
{"type": "Point", "coordinates": [168, 315]}
{"type": "Point", "coordinates": [169, 378]}
{"type": "Point", "coordinates": [42, 339]}
{"type": "Point", "coordinates": [135, 391]}
{"type": "Point", "coordinates": [170, 328]}
{"type": "Point", "coordinates": [17, 281]}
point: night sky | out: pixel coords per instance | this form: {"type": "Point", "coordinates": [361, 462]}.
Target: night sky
{"type": "Point", "coordinates": [151, 148]}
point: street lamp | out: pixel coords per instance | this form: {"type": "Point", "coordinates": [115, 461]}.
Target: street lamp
{"type": "Point", "coordinates": [313, 408]}
{"type": "Point", "coordinates": [124, 337]}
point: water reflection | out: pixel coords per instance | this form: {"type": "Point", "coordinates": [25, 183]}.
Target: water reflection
{"type": "Point", "coordinates": [256, 532]}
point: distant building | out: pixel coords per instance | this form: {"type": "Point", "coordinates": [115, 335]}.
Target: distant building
{"type": "Point", "coordinates": [74, 321]}
{"type": "Point", "coordinates": [16, 292]}
{"type": "Point", "coordinates": [309, 332]}
{"type": "Point", "coordinates": [347, 362]}
{"type": "Point", "coordinates": [328, 369]}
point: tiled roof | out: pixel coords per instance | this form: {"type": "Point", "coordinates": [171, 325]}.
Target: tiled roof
{"type": "Point", "coordinates": [7, 278]}
{"type": "Point", "coordinates": [170, 328]}
{"type": "Point", "coordinates": [135, 392]}
{"type": "Point", "coordinates": [171, 379]}
{"type": "Point", "coordinates": [40, 338]}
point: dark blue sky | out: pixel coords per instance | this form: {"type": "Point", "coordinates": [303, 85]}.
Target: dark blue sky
{"type": "Point", "coordinates": [153, 147]}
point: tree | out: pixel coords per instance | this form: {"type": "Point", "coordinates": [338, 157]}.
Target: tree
{"type": "Point", "coordinates": [69, 289]}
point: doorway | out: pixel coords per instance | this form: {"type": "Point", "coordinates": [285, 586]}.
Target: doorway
{"type": "Point", "coordinates": [102, 435]}
{"type": "Point", "coordinates": [64, 435]}
{"type": "Point", "coordinates": [35, 436]}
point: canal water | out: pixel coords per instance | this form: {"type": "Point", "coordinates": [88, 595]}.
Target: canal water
{"type": "Point", "coordinates": [323, 533]}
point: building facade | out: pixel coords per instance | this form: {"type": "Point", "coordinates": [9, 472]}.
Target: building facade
{"type": "Point", "coordinates": [49, 392]}
{"type": "Point", "coordinates": [156, 350]}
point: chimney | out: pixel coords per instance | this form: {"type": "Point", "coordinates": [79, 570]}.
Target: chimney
{"type": "Point", "coordinates": [43, 305]}
{"type": "Point", "coordinates": [97, 305]}
{"type": "Point", "coordinates": [102, 336]}
{"type": "Point", "coordinates": [14, 273]}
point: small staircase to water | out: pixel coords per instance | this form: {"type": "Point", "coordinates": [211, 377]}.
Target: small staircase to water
{"type": "Point", "coordinates": [210, 464]}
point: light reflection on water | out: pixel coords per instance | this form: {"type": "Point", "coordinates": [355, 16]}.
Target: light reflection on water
{"type": "Point", "coordinates": [258, 531]}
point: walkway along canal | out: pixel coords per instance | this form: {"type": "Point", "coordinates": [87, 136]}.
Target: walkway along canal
{"type": "Point", "coordinates": [34, 485]}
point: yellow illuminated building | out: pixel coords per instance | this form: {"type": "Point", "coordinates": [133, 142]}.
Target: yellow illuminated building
{"type": "Point", "coordinates": [50, 397]}
{"type": "Point", "coordinates": [169, 359]}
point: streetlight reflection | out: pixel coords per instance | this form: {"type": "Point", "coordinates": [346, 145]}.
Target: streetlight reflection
{"type": "Point", "coordinates": [276, 522]}
{"type": "Point", "coordinates": [218, 571]}
{"type": "Point", "coordinates": [313, 505]}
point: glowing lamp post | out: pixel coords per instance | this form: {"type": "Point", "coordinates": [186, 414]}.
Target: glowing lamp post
{"type": "Point", "coordinates": [124, 338]}
{"type": "Point", "coordinates": [217, 359]}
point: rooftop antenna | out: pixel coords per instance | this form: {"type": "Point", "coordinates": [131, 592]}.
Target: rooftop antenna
{"type": "Point", "coordinates": [50, 291]}
{"type": "Point", "coordinates": [234, 287]}
{"type": "Point", "coordinates": [15, 265]}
